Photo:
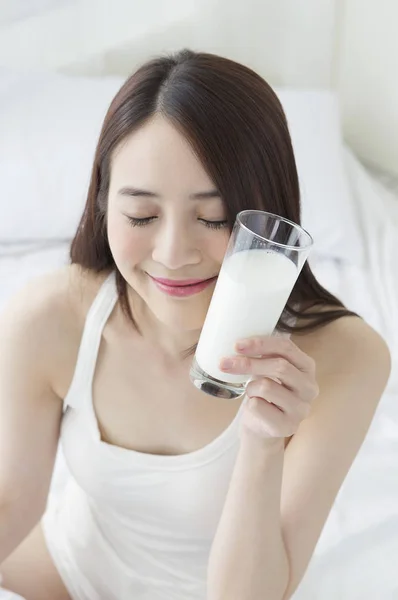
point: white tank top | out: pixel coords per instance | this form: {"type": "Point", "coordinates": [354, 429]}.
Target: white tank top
{"type": "Point", "coordinates": [131, 525]}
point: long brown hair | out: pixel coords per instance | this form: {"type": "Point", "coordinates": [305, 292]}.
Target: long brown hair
{"type": "Point", "coordinates": [237, 127]}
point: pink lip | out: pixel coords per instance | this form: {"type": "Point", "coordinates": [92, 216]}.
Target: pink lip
{"type": "Point", "coordinates": [183, 287]}
{"type": "Point", "coordinates": [178, 282]}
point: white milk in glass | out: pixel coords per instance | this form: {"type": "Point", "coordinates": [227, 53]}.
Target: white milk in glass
{"type": "Point", "coordinates": [251, 292]}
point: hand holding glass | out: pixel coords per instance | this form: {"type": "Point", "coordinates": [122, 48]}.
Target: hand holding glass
{"type": "Point", "coordinates": [263, 260]}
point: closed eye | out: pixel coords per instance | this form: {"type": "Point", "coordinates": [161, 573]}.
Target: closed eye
{"type": "Point", "coordinates": [140, 222]}
{"type": "Point", "coordinates": [135, 222]}
{"type": "Point", "coordinates": [214, 224]}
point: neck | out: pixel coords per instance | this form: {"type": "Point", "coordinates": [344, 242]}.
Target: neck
{"type": "Point", "coordinates": [171, 342]}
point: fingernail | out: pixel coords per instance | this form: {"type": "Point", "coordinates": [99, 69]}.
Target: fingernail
{"type": "Point", "coordinates": [227, 363]}
{"type": "Point", "coordinates": [242, 345]}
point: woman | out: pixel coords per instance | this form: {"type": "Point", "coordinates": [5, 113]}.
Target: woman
{"type": "Point", "coordinates": [174, 494]}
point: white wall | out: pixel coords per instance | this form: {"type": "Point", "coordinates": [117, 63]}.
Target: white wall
{"type": "Point", "coordinates": [367, 79]}
{"type": "Point", "coordinates": [73, 31]}
{"type": "Point", "coordinates": [289, 41]}
{"type": "Point", "coordinates": [350, 44]}
{"type": "Point", "coordinates": [17, 10]}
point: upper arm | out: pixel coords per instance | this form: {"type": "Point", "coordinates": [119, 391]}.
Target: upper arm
{"type": "Point", "coordinates": [354, 366]}
{"type": "Point", "coordinates": [30, 411]}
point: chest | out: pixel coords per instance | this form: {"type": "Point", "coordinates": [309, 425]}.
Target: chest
{"type": "Point", "coordinates": [143, 404]}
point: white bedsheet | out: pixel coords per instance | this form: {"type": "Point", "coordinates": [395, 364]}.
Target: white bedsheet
{"type": "Point", "coordinates": [357, 555]}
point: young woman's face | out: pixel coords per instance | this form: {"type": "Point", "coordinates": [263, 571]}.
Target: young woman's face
{"type": "Point", "coordinates": [166, 221]}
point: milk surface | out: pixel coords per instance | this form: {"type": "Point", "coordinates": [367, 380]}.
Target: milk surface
{"type": "Point", "coordinates": [251, 292]}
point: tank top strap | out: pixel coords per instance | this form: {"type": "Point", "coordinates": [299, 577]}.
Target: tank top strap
{"type": "Point", "coordinates": [96, 319]}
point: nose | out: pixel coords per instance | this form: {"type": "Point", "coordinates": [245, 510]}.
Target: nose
{"type": "Point", "coordinates": [175, 247]}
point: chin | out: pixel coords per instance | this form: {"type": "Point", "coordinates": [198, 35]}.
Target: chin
{"type": "Point", "coordinates": [181, 321]}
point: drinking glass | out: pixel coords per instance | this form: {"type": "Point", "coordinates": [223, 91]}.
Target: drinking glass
{"type": "Point", "coordinates": [264, 257]}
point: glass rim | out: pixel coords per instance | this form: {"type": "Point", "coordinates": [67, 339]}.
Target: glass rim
{"type": "Point", "coordinates": [308, 236]}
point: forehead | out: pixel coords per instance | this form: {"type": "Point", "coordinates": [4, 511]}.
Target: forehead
{"type": "Point", "coordinates": [157, 151]}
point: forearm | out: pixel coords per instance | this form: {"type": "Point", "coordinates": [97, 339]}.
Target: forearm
{"type": "Point", "coordinates": [248, 560]}
{"type": "Point", "coordinates": [15, 524]}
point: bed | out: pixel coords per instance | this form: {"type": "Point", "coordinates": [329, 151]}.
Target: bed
{"type": "Point", "coordinates": [351, 209]}
{"type": "Point", "coordinates": [356, 556]}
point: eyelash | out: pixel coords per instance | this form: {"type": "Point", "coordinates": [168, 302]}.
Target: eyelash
{"type": "Point", "coordinates": [134, 222]}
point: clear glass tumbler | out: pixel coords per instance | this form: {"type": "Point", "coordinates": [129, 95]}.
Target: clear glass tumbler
{"type": "Point", "coordinates": [263, 260]}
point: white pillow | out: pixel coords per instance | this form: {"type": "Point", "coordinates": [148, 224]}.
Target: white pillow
{"type": "Point", "coordinates": [328, 205]}
{"type": "Point", "coordinates": [49, 126]}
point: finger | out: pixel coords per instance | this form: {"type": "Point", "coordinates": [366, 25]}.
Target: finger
{"type": "Point", "coordinates": [276, 368]}
{"type": "Point", "coordinates": [276, 394]}
{"type": "Point", "coordinates": [269, 346]}
{"type": "Point", "coordinates": [265, 419]}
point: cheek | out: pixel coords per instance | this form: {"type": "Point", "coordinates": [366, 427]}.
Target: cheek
{"type": "Point", "coordinates": [218, 247]}
{"type": "Point", "coordinates": [127, 244]}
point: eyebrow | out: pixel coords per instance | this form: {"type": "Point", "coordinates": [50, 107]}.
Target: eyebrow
{"type": "Point", "coordinates": [134, 192]}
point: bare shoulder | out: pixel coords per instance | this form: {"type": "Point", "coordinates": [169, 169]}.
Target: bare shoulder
{"type": "Point", "coordinates": [348, 345]}
{"type": "Point", "coordinates": [49, 312]}
{"type": "Point", "coordinates": [58, 296]}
